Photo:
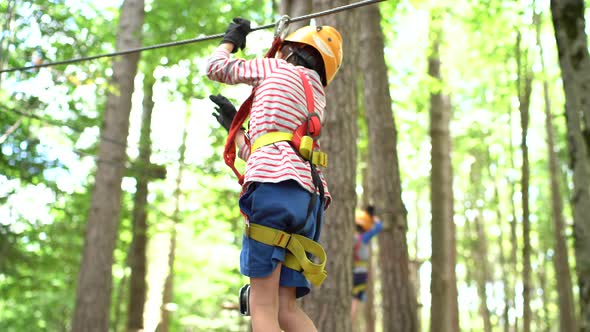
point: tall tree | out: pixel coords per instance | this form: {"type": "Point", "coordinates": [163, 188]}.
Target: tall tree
{"type": "Point", "coordinates": [479, 237]}
{"type": "Point", "coordinates": [574, 60]}
{"type": "Point", "coordinates": [567, 312]}
{"type": "Point", "coordinates": [513, 261]}
{"type": "Point", "coordinates": [329, 307]}
{"type": "Point", "coordinates": [95, 279]}
{"type": "Point", "coordinates": [444, 308]}
{"type": "Point", "coordinates": [138, 250]}
{"type": "Point", "coordinates": [295, 8]}
{"type": "Point", "coordinates": [524, 88]}
{"type": "Point", "coordinates": [398, 295]}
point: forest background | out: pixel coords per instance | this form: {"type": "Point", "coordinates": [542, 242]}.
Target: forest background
{"type": "Point", "coordinates": [482, 76]}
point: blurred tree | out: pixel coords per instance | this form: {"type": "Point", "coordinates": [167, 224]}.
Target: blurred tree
{"type": "Point", "coordinates": [329, 307]}
{"type": "Point", "coordinates": [524, 83]}
{"type": "Point", "coordinates": [398, 295]}
{"type": "Point", "coordinates": [95, 279]}
{"type": "Point", "coordinates": [444, 310]}
{"type": "Point", "coordinates": [567, 311]}
{"type": "Point", "coordinates": [574, 60]}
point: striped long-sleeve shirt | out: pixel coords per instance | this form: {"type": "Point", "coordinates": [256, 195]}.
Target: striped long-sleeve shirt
{"type": "Point", "coordinates": [279, 105]}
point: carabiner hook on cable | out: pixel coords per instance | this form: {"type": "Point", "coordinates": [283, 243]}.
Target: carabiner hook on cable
{"type": "Point", "coordinates": [282, 26]}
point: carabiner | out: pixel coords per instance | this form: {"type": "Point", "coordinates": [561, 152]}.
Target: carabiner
{"type": "Point", "coordinates": [282, 26]}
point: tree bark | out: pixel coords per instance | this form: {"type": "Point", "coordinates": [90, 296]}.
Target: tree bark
{"type": "Point", "coordinates": [444, 307]}
{"type": "Point", "coordinates": [569, 24]}
{"type": "Point", "coordinates": [329, 307]}
{"type": "Point", "coordinates": [95, 280]}
{"type": "Point", "coordinates": [398, 295]}
{"type": "Point", "coordinates": [567, 313]}
{"type": "Point", "coordinates": [524, 89]}
{"type": "Point", "coordinates": [138, 259]}
{"type": "Point", "coordinates": [295, 8]}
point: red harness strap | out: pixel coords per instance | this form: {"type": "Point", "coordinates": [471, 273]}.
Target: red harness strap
{"type": "Point", "coordinates": [313, 125]}
{"type": "Point", "coordinates": [229, 151]}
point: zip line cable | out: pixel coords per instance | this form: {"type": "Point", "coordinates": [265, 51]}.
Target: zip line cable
{"type": "Point", "coordinates": [189, 41]}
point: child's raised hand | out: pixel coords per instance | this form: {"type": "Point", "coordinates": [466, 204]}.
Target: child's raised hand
{"type": "Point", "coordinates": [236, 33]}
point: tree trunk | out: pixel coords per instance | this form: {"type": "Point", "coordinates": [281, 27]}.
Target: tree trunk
{"type": "Point", "coordinates": [511, 291]}
{"type": "Point", "coordinates": [95, 280]}
{"type": "Point", "coordinates": [398, 295]}
{"type": "Point", "coordinates": [524, 87]}
{"type": "Point", "coordinates": [295, 8]}
{"type": "Point", "coordinates": [444, 307]}
{"type": "Point", "coordinates": [567, 313]}
{"type": "Point", "coordinates": [329, 307]}
{"type": "Point", "coordinates": [138, 259]}
{"type": "Point", "coordinates": [504, 270]}
{"type": "Point", "coordinates": [569, 24]}
{"type": "Point", "coordinates": [479, 238]}
{"type": "Point", "coordinates": [482, 272]}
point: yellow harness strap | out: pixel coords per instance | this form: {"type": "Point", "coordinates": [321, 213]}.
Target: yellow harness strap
{"type": "Point", "coordinates": [317, 157]}
{"type": "Point", "coordinates": [297, 248]}
{"type": "Point", "coordinates": [359, 288]}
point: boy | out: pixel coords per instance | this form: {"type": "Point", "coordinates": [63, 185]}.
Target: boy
{"type": "Point", "coordinates": [367, 226]}
{"type": "Point", "coordinates": [280, 185]}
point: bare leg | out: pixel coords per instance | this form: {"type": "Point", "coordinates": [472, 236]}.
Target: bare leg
{"type": "Point", "coordinates": [291, 317]}
{"type": "Point", "coordinates": [353, 309]}
{"type": "Point", "coordinates": [264, 302]}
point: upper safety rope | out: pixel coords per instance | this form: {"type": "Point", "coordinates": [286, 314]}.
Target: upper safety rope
{"type": "Point", "coordinates": [188, 41]}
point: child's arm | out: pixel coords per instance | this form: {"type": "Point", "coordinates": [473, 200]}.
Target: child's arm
{"type": "Point", "coordinates": [222, 68]}
{"type": "Point", "coordinates": [243, 147]}
{"type": "Point", "coordinates": [366, 237]}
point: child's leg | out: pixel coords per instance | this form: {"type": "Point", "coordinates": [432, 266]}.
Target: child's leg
{"type": "Point", "coordinates": [291, 317]}
{"type": "Point", "coordinates": [353, 309]}
{"type": "Point", "coordinates": [264, 302]}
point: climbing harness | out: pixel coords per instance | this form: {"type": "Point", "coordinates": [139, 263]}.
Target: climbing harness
{"type": "Point", "coordinates": [297, 248]}
{"type": "Point", "coordinates": [304, 138]}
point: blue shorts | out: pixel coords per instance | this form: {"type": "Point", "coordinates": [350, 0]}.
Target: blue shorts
{"type": "Point", "coordinates": [359, 284]}
{"type": "Point", "coordinates": [281, 206]}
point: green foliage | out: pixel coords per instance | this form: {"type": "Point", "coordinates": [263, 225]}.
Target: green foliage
{"type": "Point", "coordinates": [60, 111]}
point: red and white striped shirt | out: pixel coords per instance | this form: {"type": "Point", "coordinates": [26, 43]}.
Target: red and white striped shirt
{"type": "Point", "coordinates": [279, 105]}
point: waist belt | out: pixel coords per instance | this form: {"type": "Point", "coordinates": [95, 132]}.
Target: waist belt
{"type": "Point", "coordinates": [297, 248]}
{"type": "Point", "coordinates": [305, 147]}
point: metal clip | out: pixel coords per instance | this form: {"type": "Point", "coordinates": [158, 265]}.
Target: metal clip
{"type": "Point", "coordinates": [282, 26]}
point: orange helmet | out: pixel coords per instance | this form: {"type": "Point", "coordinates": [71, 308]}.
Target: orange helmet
{"type": "Point", "coordinates": [363, 219]}
{"type": "Point", "coordinates": [327, 41]}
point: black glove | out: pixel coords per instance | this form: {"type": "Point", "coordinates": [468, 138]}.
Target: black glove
{"type": "Point", "coordinates": [225, 112]}
{"type": "Point", "coordinates": [236, 33]}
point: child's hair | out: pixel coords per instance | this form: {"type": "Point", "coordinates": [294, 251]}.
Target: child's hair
{"type": "Point", "coordinates": [359, 229]}
{"type": "Point", "coordinates": [304, 55]}
{"type": "Point", "coordinates": [370, 210]}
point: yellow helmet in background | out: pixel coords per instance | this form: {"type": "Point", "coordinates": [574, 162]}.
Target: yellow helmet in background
{"type": "Point", "coordinates": [327, 41]}
{"type": "Point", "coordinates": [363, 219]}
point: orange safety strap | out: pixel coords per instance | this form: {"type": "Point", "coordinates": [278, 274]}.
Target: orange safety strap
{"type": "Point", "coordinates": [229, 151]}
